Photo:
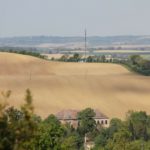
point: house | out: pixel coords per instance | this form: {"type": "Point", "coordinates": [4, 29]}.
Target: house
{"type": "Point", "coordinates": [100, 118]}
{"type": "Point", "coordinates": [108, 57]}
{"type": "Point", "coordinates": [70, 116]}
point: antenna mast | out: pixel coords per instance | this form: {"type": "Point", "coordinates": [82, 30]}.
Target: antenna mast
{"type": "Point", "coordinates": [85, 44]}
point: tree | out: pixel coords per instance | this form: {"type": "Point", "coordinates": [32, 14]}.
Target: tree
{"type": "Point", "coordinates": [49, 134]}
{"type": "Point", "coordinates": [28, 108]}
{"type": "Point", "coordinates": [27, 126]}
{"type": "Point", "coordinates": [103, 58]}
{"type": "Point", "coordinates": [136, 60]}
{"type": "Point", "coordinates": [77, 57]}
{"type": "Point", "coordinates": [120, 140]}
{"type": "Point", "coordinates": [70, 143]}
{"type": "Point", "coordinates": [115, 125]}
{"type": "Point", "coordinates": [64, 58]}
{"type": "Point", "coordinates": [146, 64]}
{"type": "Point", "coordinates": [89, 59]}
{"type": "Point", "coordinates": [138, 124]}
{"type": "Point", "coordinates": [6, 134]}
{"type": "Point", "coordinates": [49, 137]}
{"type": "Point", "coordinates": [135, 145]}
{"type": "Point", "coordinates": [73, 137]}
{"type": "Point", "coordinates": [105, 136]}
{"type": "Point", "coordinates": [102, 139]}
{"type": "Point", "coordinates": [51, 119]}
{"type": "Point", "coordinates": [87, 123]}
{"type": "Point", "coordinates": [4, 101]}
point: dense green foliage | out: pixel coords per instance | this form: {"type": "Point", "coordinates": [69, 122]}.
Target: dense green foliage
{"type": "Point", "coordinates": [138, 64]}
{"type": "Point", "coordinates": [21, 129]}
{"type": "Point", "coordinates": [131, 134]}
{"type": "Point", "coordinates": [79, 58]}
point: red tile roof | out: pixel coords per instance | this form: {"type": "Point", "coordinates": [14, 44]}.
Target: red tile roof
{"type": "Point", "coordinates": [67, 114]}
{"type": "Point", "coordinates": [99, 115]}
{"type": "Point", "coordinates": [70, 114]}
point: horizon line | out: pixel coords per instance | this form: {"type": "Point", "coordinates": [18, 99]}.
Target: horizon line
{"type": "Point", "coordinates": [70, 36]}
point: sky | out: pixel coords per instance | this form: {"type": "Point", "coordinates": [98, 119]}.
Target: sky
{"type": "Point", "coordinates": [71, 17]}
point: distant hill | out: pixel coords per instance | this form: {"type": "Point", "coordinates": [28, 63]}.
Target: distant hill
{"type": "Point", "coordinates": [56, 41]}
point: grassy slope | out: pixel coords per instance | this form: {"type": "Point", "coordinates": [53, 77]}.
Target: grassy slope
{"type": "Point", "coordinates": [55, 85]}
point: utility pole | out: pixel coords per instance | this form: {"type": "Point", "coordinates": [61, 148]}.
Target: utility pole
{"type": "Point", "coordinates": [85, 44]}
{"type": "Point", "coordinates": [30, 75]}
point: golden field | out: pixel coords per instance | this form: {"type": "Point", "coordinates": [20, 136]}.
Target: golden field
{"type": "Point", "coordinates": [110, 88]}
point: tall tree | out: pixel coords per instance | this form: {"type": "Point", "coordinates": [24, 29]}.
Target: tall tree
{"type": "Point", "coordinates": [27, 126]}
{"type": "Point", "coordinates": [6, 134]}
{"type": "Point", "coordinates": [138, 124]}
{"type": "Point", "coordinates": [87, 123]}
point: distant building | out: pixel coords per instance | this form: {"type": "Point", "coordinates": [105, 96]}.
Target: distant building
{"type": "Point", "coordinates": [101, 118]}
{"type": "Point", "coordinates": [70, 116]}
{"type": "Point", "coordinates": [108, 57]}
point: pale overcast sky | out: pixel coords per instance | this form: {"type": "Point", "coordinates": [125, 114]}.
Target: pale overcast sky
{"type": "Point", "coordinates": [70, 17]}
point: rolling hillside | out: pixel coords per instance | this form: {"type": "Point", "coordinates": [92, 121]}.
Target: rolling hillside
{"type": "Point", "coordinates": [56, 86]}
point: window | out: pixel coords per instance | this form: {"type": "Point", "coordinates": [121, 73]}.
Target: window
{"type": "Point", "coordinates": [105, 121]}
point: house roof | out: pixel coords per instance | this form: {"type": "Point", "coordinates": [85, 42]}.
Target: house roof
{"type": "Point", "coordinates": [99, 115]}
{"type": "Point", "coordinates": [67, 114]}
{"type": "Point", "coordinates": [70, 114]}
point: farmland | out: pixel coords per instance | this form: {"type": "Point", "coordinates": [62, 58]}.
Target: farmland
{"type": "Point", "coordinates": [56, 85]}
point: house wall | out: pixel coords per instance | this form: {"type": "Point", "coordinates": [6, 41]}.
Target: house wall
{"type": "Point", "coordinates": [74, 123]}
{"type": "Point", "coordinates": [103, 122]}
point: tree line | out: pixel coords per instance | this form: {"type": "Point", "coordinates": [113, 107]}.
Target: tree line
{"type": "Point", "coordinates": [23, 52]}
{"type": "Point", "coordinates": [135, 62]}
{"type": "Point", "coordinates": [79, 58]}
{"type": "Point", "coordinates": [22, 129]}
{"type": "Point", "coordinates": [138, 64]}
